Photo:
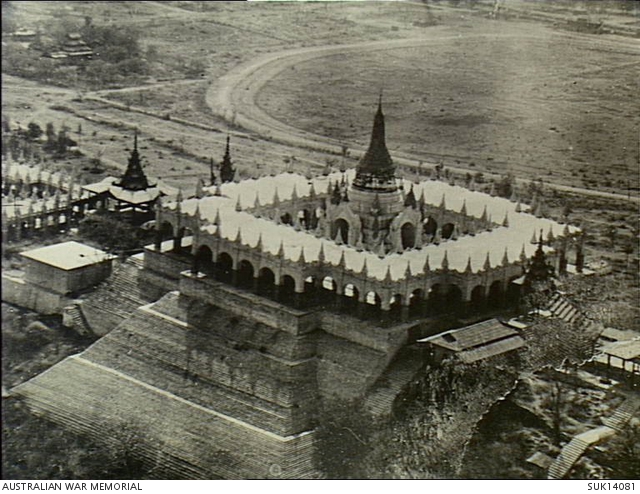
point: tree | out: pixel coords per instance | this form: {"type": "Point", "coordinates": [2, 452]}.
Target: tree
{"type": "Point", "coordinates": [51, 137]}
{"type": "Point", "coordinates": [227, 171]}
{"type": "Point", "coordinates": [34, 131]}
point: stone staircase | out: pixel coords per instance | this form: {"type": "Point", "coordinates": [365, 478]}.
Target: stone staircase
{"type": "Point", "coordinates": [623, 414]}
{"type": "Point", "coordinates": [113, 300]}
{"type": "Point", "coordinates": [72, 317]}
{"type": "Point", "coordinates": [383, 394]}
{"type": "Point", "coordinates": [572, 452]}
{"type": "Point", "coordinates": [569, 455]}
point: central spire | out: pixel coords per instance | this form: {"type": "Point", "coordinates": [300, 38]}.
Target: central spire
{"type": "Point", "coordinates": [376, 170]}
{"type": "Point", "coordinates": [134, 177]}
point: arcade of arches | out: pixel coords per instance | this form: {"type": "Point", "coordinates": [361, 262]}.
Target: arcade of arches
{"type": "Point", "coordinates": [315, 292]}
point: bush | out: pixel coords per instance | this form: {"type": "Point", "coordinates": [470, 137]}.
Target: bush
{"type": "Point", "coordinates": [110, 232]}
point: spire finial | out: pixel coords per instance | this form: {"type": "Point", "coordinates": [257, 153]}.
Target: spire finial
{"type": "Point", "coordinates": [487, 262]}
{"type": "Point", "coordinates": [445, 262]}
{"type": "Point", "coordinates": [468, 269]}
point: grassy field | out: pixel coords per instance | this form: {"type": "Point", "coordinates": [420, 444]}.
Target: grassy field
{"type": "Point", "coordinates": [495, 96]}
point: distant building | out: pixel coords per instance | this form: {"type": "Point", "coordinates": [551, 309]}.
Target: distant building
{"type": "Point", "coordinates": [74, 46]}
{"type": "Point", "coordinates": [53, 274]}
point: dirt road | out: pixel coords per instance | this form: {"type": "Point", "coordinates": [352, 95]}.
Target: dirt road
{"type": "Point", "coordinates": [234, 98]}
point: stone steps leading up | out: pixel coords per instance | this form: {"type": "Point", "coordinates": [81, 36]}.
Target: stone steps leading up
{"type": "Point", "coordinates": [402, 370]}
{"type": "Point", "coordinates": [567, 458]}
{"type": "Point", "coordinates": [623, 414]}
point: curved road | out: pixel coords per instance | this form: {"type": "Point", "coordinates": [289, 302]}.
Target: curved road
{"type": "Point", "coordinates": [233, 97]}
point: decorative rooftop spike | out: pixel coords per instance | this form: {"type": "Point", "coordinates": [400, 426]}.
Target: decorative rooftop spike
{"type": "Point", "coordinates": [534, 237]}
{"type": "Point", "coordinates": [443, 203]}
{"type": "Point", "coordinates": [218, 191]}
{"type": "Point", "coordinates": [514, 195]}
{"type": "Point", "coordinates": [227, 171]}
{"type": "Point", "coordinates": [238, 239]}
{"type": "Point", "coordinates": [518, 207]}
{"type": "Point", "coordinates": [339, 239]}
{"type": "Point", "coordinates": [365, 270]}
{"type": "Point", "coordinates": [280, 252]}
{"type": "Point", "coordinates": [276, 198]}
{"type": "Point", "coordinates": [256, 202]}
{"type": "Point", "coordinates": [342, 263]}
{"type": "Point", "coordinates": [200, 188]}
{"type": "Point", "coordinates": [312, 192]}
{"type": "Point", "coordinates": [538, 211]}
{"type": "Point", "coordinates": [566, 232]}
{"type": "Point", "coordinates": [387, 276]}
{"type": "Point", "coordinates": [381, 250]}
{"type": "Point", "coordinates": [505, 257]}
{"type": "Point", "coordinates": [321, 258]}
{"type": "Point", "coordinates": [487, 263]}
{"type": "Point", "coordinates": [294, 193]}
{"type": "Point", "coordinates": [445, 262]}
{"type": "Point", "coordinates": [550, 235]}
{"type": "Point", "coordinates": [259, 244]}
{"type": "Point", "coordinates": [301, 258]}
{"type": "Point", "coordinates": [407, 271]}
{"type": "Point", "coordinates": [484, 216]}
{"type": "Point", "coordinates": [238, 205]}
{"type": "Point", "coordinates": [523, 255]}
{"type": "Point", "coordinates": [505, 221]}
{"type": "Point", "coordinates": [410, 199]}
{"type": "Point", "coordinates": [463, 209]}
{"type": "Point", "coordinates": [468, 269]}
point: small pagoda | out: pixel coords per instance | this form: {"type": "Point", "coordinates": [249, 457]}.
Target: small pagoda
{"type": "Point", "coordinates": [133, 192]}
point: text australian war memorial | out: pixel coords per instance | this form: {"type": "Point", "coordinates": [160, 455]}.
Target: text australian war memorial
{"type": "Point", "coordinates": [267, 299]}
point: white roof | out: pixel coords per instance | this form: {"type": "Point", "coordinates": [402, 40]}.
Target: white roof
{"type": "Point", "coordinates": [149, 194]}
{"type": "Point", "coordinates": [67, 255]}
{"type": "Point", "coordinates": [517, 235]}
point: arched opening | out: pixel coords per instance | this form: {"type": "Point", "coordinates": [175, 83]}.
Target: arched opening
{"type": "Point", "coordinates": [513, 291]}
{"type": "Point", "coordinates": [351, 295]}
{"type": "Point", "coordinates": [245, 274]}
{"type": "Point", "coordinates": [373, 298]}
{"type": "Point", "coordinates": [453, 299]}
{"type": "Point", "coordinates": [408, 234]}
{"type": "Point", "coordinates": [314, 218]}
{"type": "Point", "coordinates": [328, 291]}
{"type": "Point", "coordinates": [287, 289]}
{"type": "Point", "coordinates": [373, 305]}
{"type": "Point", "coordinates": [304, 218]}
{"type": "Point", "coordinates": [495, 294]}
{"type": "Point", "coordinates": [203, 262]}
{"type": "Point", "coordinates": [477, 299]}
{"type": "Point", "coordinates": [310, 291]}
{"type": "Point", "coordinates": [183, 240]}
{"type": "Point", "coordinates": [224, 268]}
{"type": "Point", "coordinates": [435, 299]}
{"type": "Point", "coordinates": [416, 303]}
{"type": "Point", "coordinates": [340, 226]}
{"type": "Point", "coordinates": [286, 219]}
{"type": "Point", "coordinates": [164, 233]}
{"type": "Point", "coordinates": [266, 282]}
{"type": "Point", "coordinates": [447, 230]}
{"type": "Point", "coordinates": [430, 227]}
{"type": "Point", "coordinates": [395, 306]}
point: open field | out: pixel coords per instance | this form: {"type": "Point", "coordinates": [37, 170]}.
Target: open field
{"type": "Point", "coordinates": [496, 97]}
